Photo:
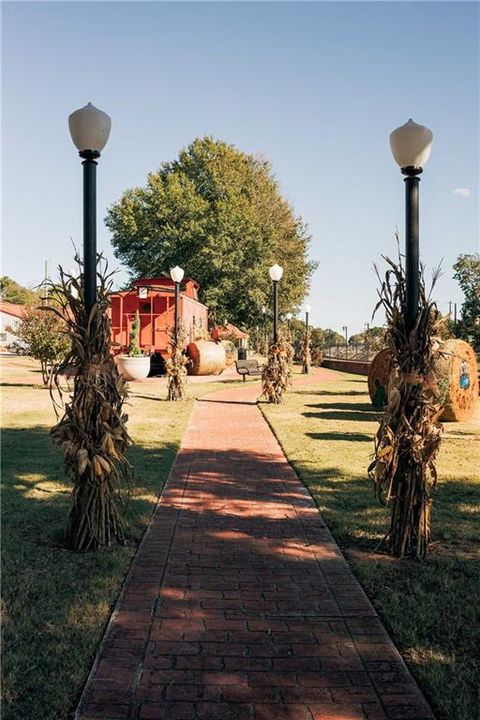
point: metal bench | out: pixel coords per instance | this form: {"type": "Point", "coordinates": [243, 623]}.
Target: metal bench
{"type": "Point", "coordinates": [248, 367]}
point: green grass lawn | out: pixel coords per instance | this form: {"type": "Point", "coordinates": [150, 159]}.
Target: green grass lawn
{"type": "Point", "coordinates": [432, 608]}
{"type": "Point", "coordinates": [55, 602]}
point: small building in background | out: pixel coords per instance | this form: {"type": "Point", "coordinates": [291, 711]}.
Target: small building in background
{"type": "Point", "coordinates": [230, 332]}
{"type": "Point", "coordinates": [154, 298]}
{"type": "Point", "coordinates": [10, 316]}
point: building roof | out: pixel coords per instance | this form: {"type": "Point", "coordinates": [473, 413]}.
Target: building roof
{"type": "Point", "coordinates": [221, 332]}
{"type": "Point", "coordinates": [12, 309]}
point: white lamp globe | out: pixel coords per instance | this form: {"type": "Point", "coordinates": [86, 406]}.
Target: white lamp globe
{"type": "Point", "coordinates": [89, 128]}
{"type": "Point", "coordinates": [276, 272]}
{"type": "Point", "coordinates": [289, 316]}
{"type": "Point", "coordinates": [411, 145]}
{"type": "Point", "coordinates": [307, 308]}
{"type": "Point", "coordinates": [177, 274]}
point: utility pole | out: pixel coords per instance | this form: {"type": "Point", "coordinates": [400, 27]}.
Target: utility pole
{"type": "Point", "coordinates": [45, 286]}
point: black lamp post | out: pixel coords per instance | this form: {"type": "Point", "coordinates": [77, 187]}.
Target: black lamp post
{"type": "Point", "coordinates": [265, 333]}
{"type": "Point", "coordinates": [276, 273]}
{"type": "Point", "coordinates": [306, 365]}
{"type": "Point", "coordinates": [289, 318]}
{"type": "Point", "coordinates": [345, 330]}
{"type": "Point", "coordinates": [411, 145]}
{"type": "Point", "coordinates": [176, 274]}
{"type": "Point", "coordinates": [89, 128]}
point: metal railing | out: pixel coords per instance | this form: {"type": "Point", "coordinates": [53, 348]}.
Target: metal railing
{"type": "Point", "coordinates": [360, 352]}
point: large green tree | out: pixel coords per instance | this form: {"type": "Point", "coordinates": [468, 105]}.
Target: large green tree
{"type": "Point", "coordinates": [13, 292]}
{"type": "Point", "coordinates": [218, 213]}
{"type": "Point", "coordinates": [467, 274]}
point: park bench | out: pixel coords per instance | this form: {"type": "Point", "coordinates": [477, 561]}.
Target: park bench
{"type": "Point", "coordinates": [248, 367]}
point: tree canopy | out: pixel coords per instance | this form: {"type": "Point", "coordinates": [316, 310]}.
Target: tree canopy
{"type": "Point", "coordinates": [467, 273]}
{"type": "Point", "coordinates": [45, 338]}
{"type": "Point", "coordinates": [13, 292]}
{"type": "Point", "coordinates": [217, 212]}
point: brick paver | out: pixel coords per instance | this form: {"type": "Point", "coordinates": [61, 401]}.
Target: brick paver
{"type": "Point", "coordinates": [240, 604]}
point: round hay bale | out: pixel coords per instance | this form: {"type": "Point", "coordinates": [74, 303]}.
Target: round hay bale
{"type": "Point", "coordinates": [378, 378]}
{"type": "Point", "coordinates": [207, 358]}
{"type": "Point", "coordinates": [457, 380]}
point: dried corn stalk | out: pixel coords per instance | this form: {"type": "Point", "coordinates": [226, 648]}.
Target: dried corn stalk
{"type": "Point", "coordinates": [277, 373]}
{"type": "Point", "coordinates": [92, 430]}
{"type": "Point", "coordinates": [176, 367]}
{"type": "Point", "coordinates": [408, 439]}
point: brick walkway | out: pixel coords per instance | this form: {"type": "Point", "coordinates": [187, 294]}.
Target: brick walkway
{"type": "Point", "coordinates": [240, 605]}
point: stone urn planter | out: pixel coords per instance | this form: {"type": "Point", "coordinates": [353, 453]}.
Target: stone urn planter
{"type": "Point", "coordinates": [133, 367]}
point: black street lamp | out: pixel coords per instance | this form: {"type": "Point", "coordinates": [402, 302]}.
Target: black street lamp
{"type": "Point", "coordinates": [411, 145]}
{"type": "Point", "coordinates": [306, 364]}
{"type": "Point", "coordinates": [276, 273]}
{"type": "Point", "coordinates": [288, 317]}
{"type": "Point", "coordinates": [89, 128]}
{"type": "Point", "coordinates": [176, 274]}
{"type": "Point", "coordinates": [345, 330]}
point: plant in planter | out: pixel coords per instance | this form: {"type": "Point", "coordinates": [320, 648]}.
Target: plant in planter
{"type": "Point", "coordinates": [135, 365]}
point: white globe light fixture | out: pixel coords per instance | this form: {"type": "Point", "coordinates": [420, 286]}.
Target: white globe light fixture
{"type": "Point", "coordinates": [276, 273]}
{"type": "Point", "coordinates": [307, 308]}
{"type": "Point", "coordinates": [411, 145]}
{"type": "Point", "coordinates": [177, 274]}
{"type": "Point", "coordinates": [90, 129]}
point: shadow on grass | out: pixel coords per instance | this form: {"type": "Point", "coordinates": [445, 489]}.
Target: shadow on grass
{"type": "Point", "coordinates": [23, 385]}
{"type": "Point", "coordinates": [332, 393]}
{"type": "Point", "coordinates": [346, 436]}
{"type": "Point", "coordinates": [362, 407]}
{"type": "Point", "coordinates": [362, 416]}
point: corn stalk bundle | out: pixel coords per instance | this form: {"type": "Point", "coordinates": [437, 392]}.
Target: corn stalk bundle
{"type": "Point", "coordinates": [408, 439]}
{"type": "Point", "coordinates": [317, 356]}
{"type": "Point", "coordinates": [92, 431]}
{"type": "Point", "coordinates": [306, 357]}
{"type": "Point", "coordinates": [277, 373]}
{"type": "Point", "coordinates": [176, 367]}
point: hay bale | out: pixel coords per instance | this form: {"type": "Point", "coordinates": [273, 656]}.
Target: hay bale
{"type": "Point", "coordinates": [457, 379]}
{"type": "Point", "coordinates": [206, 358]}
{"type": "Point", "coordinates": [378, 378]}
{"type": "Point", "coordinates": [455, 372]}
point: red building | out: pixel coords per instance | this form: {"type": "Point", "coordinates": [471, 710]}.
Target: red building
{"type": "Point", "coordinates": [154, 298]}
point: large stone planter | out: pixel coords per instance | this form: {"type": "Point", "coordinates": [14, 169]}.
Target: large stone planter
{"type": "Point", "coordinates": [133, 368]}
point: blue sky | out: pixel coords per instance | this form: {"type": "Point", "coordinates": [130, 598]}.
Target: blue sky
{"type": "Point", "coordinates": [315, 87]}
